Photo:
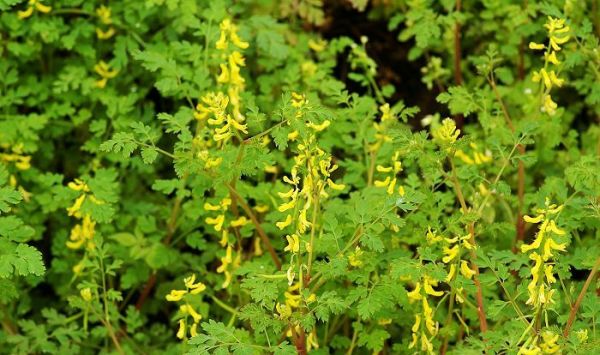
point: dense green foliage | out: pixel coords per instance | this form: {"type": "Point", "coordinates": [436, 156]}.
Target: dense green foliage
{"type": "Point", "coordinates": [249, 177]}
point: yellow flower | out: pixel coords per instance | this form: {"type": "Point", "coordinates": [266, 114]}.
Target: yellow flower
{"type": "Point", "coordinates": [549, 105]}
{"type": "Point", "coordinates": [415, 294]}
{"type": "Point", "coordinates": [536, 46]}
{"type": "Point", "coordinates": [82, 233]}
{"type": "Point", "coordinates": [447, 133]}
{"type": "Point", "coordinates": [86, 294]}
{"type": "Point", "coordinates": [188, 309]}
{"type": "Point", "coordinates": [34, 4]}
{"type": "Point", "coordinates": [194, 288]}
{"type": "Point", "coordinates": [466, 270]}
{"type": "Point", "coordinates": [450, 253]}
{"type": "Point", "coordinates": [181, 331]}
{"type": "Point", "coordinates": [557, 32]}
{"type": "Point", "coordinates": [239, 222]}
{"type": "Point", "coordinates": [355, 257]}
{"type": "Point", "coordinates": [319, 127]}
{"type": "Point", "coordinates": [551, 58]}
{"type": "Point", "coordinates": [318, 45]}
{"type": "Point", "coordinates": [334, 186]}
{"type": "Point", "coordinates": [105, 73]}
{"type": "Point", "coordinates": [104, 14]}
{"type": "Point", "coordinates": [312, 341]}
{"type": "Point", "coordinates": [285, 223]}
{"type": "Point", "coordinates": [217, 222]}
{"type": "Point", "coordinates": [105, 34]}
{"type": "Point", "coordinates": [451, 273]}
{"type": "Point", "coordinates": [298, 100]}
{"type": "Point", "coordinates": [293, 243]}
{"type": "Point", "coordinates": [427, 286]}
{"type": "Point", "coordinates": [549, 345]}
{"type": "Point", "coordinates": [175, 295]}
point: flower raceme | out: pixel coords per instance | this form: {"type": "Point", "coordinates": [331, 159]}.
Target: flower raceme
{"type": "Point", "coordinates": [104, 15]}
{"type": "Point", "coordinates": [541, 252]}
{"type": "Point", "coordinates": [186, 309]}
{"type": "Point", "coordinates": [424, 326]}
{"type": "Point", "coordinates": [227, 122]}
{"type": "Point", "coordinates": [389, 183]}
{"type": "Point", "coordinates": [558, 34]}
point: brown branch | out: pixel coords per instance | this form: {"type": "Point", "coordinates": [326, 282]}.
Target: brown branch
{"type": "Point", "coordinates": [261, 233]}
{"type": "Point", "coordinates": [519, 223]}
{"type": "Point", "coordinates": [575, 307]}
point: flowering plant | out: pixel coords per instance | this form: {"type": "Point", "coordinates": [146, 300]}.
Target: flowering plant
{"type": "Point", "coordinates": [256, 177]}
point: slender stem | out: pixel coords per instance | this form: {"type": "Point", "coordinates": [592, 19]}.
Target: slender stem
{"type": "Point", "coordinates": [458, 77]}
{"type": "Point", "coordinates": [224, 305]}
{"type": "Point", "coordinates": [261, 233]}
{"type": "Point", "coordinates": [471, 228]}
{"type": "Point", "coordinates": [519, 223]}
{"type": "Point", "coordinates": [315, 213]}
{"type": "Point", "coordinates": [574, 309]}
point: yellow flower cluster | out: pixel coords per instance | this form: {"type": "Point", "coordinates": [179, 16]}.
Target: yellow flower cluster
{"type": "Point", "coordinates": [293, 300]}
{"type": "Point", "coordinates": [447, 133]}
{"type": "Point", "coordinates": [33, 5]}
{"type": "Point", "coordinates": [355, 258]}
{"type": "Point", "coordinates": [477, 158]}
{"type": "Point", "coordinates": [82, 234]}
{"type": "Point", "coordinates": [318, 167]}
{"type": "Point", "coordinates": [16, 157]}
{"type": "Point", "coordinates": [453, 252]}
{"type": "Point", "coordinates": [424, 327]}
{"type": "Point", "coordinates": [381, 128]}
{"type": "Point", "coordinates": [104, 14]}
{"type": "Point", "coordinates": [220, 225]}
{"type": "Point", "coordinates": [228, 123]}
{"type": "Point", "coordinates": [542, 276]}
{"type": "Point", "coordinates": [547, 345]}
{"type": "Point", "coordinates": [215, 106]}
{"type": "Point", "coordinates": [558, 34]}
{"type": "Point", "coordinates": [391, 171]}
{"type": "Point", "coordinates": [191, 288]}
{"type": "Point", "coordinates": [105, 73]}
{"type": "Point", "coordinates": [202, 142]}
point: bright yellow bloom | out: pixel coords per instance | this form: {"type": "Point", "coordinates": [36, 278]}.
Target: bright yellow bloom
{"type": "Point", "coordinates": [317, 45]}
{"type": "Point", "coordinates": [427, 286]}
{"type": "Point", "coordinates": [102, 35]}
{"type": "Point", "coordinates": [466, 270]}
{"type": "Point", "coordinates": [105, 73]}
{"type": "Point", "coordinates": [319, 127]}
{"type": "Point", "coordinates": [334, 186]}
{"type": "Point", "coordinates": [415, 294]}
{"type": "Point", "coordinates": [451, 273]}
{"type": "Point", "coordinates": [175, 295]}
{"type": "Point", "coordinates": [549, 345]}
{"type": "Point", "coordinates": [86, 294]}
{"type": "Point", "coordinates": [447, 133]}
{"type": "Point", "coordinates": [293, 243]}
{"type": "Point", "coordinates": [285, 223]}
{"type": "Point", "coordinates": [217, 222]}
{"type": "Point", "coordinates": [450, 253]}
{"type": "Point", "coordinates": [181, 331]}
{"type": "Point", "coordinates": [239, 222]}
{"type": "Point", "coordinates": [104, 14]}
{"type": "Point", "coordinates": [33, 4]}
{"type": "Point", "coordinates": [536, 46]}
{"type": "Point", "coordinates": [354, 259]}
